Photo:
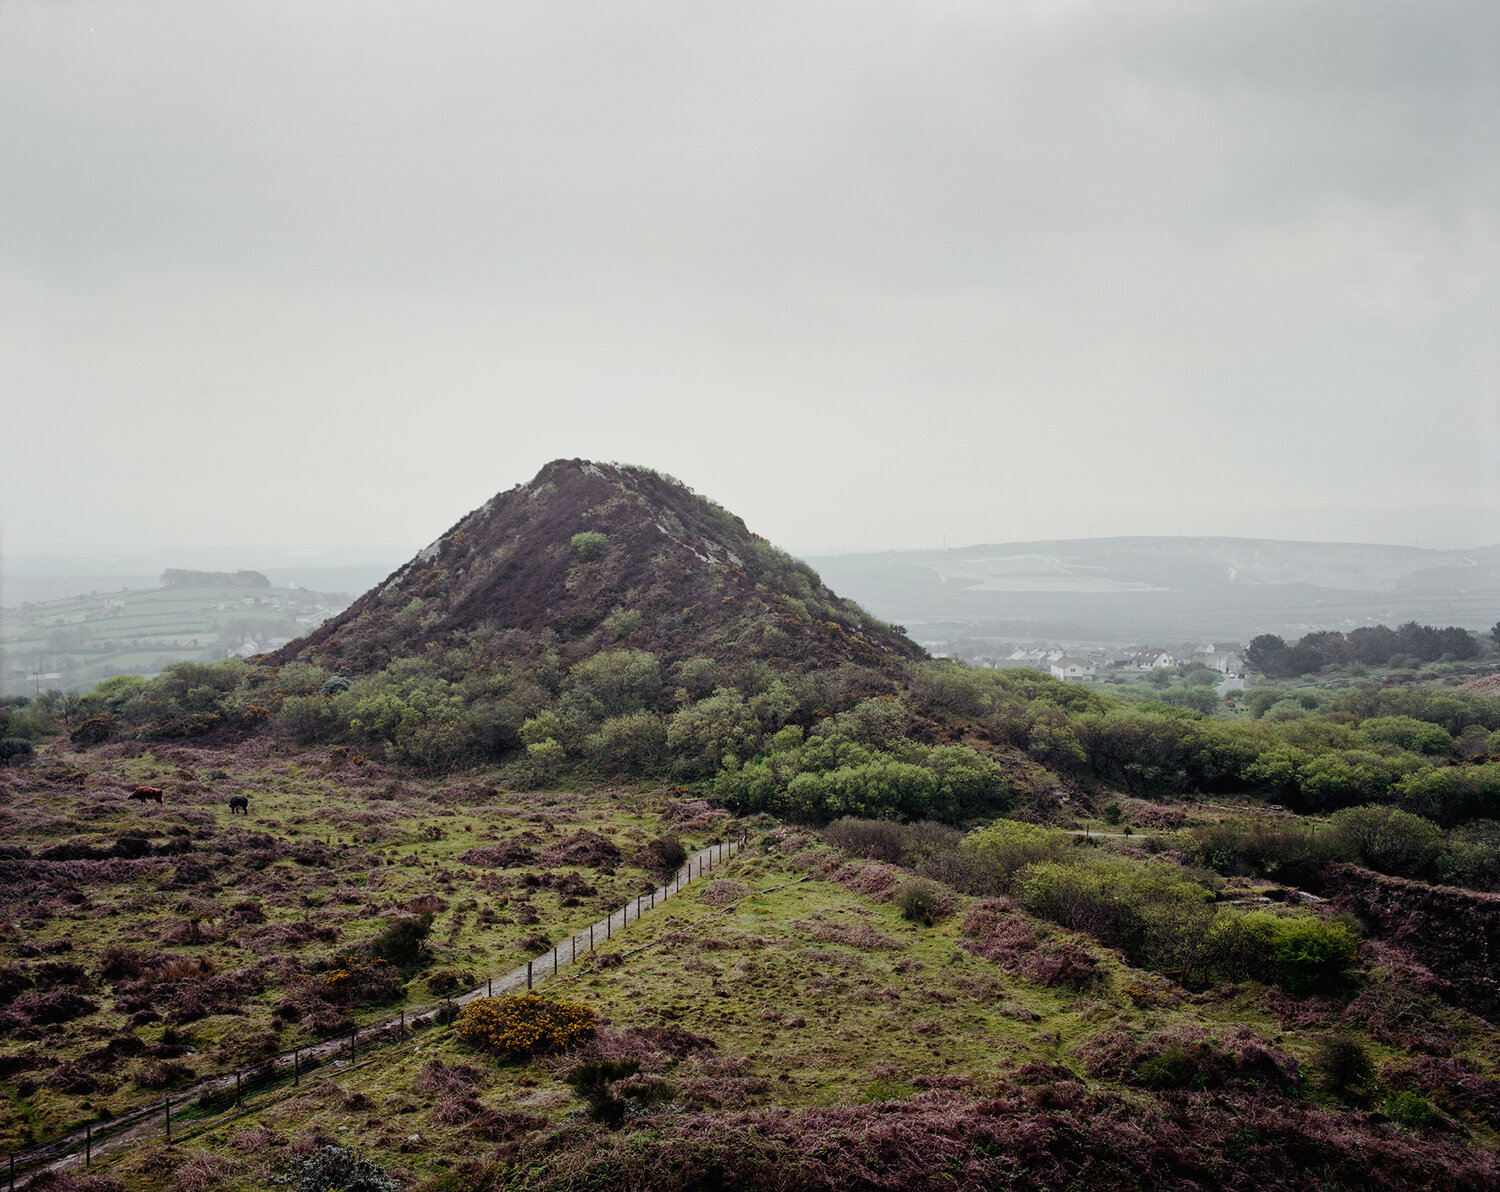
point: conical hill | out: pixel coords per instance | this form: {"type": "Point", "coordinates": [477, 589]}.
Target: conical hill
{"type": "Point", "coordinates": [598, 555]}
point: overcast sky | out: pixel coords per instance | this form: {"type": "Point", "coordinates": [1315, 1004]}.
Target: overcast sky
{"type": "Point", "coordinates": [884, 273]}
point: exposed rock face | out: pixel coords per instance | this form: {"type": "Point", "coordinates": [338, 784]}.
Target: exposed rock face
{"type": "Point", "coordinates": [601, 555]}
{"type": "Point", "coordinates": [1455, 933]}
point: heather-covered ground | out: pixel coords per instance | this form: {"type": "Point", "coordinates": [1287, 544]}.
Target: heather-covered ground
{"type": "Point", "coordinates": [144, 945]}
{"type": "Point", "coordinates": [797, 1021]}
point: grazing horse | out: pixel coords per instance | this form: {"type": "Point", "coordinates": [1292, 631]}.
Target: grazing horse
{"type": "Point", "coordinates": [239, 803]}
{"type": "Point", "coordinates": [142, 793]}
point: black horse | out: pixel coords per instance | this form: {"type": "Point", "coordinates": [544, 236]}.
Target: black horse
{"type": "Point", "coordinates": [239, 803]}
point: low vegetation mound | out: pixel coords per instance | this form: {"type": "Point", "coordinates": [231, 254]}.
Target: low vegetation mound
{"type": "Point", "coordinates": [525, 1025]}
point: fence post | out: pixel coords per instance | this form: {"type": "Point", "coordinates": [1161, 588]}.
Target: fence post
{"type": "Point", "coordinates": [609, 922]}
{"type": "Point", "coordinates": [402, 1035]}
{"type": "Point", "coordinates": [554, 959]}
{"type": "Point", "coordinates": [573, 943]}
{"type": "Point", "coordinates": [296, 1067]}
{"type": "Point", "coordinates": [167, 1104]}
{"type": "Point", "coordinates": [88, 1143]}
{"type": "Point", "coordinates": [591, 937]}
{"type": "Point", "coordinates": [489, 986]}
{"type": "Point", "coordinates": [528, 976]}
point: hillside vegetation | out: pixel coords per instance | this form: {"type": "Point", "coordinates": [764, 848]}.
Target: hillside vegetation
{"type": "Point", "coordinates": [991, 930]}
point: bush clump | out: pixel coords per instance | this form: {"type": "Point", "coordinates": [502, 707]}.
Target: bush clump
{"type": "Point", "coordinates": [1342, 1064]}
{"type": "Point", "coordinates": [663, 856]}
{"type": "Point", "coordinates": [525, 1025]}
{"type": "Point", "coordinates": [590, 544]}
{"type": "Point", "coordinates": [919, 902]}
{"type": "Point", "coordinates": [15, 749]}
{"type": "Point", "coordinates": [94, 731]}
{"type": "Point", "coordinates": [1413, 1110]}
{"type": "Point", "coordinates": [335, 1169]}
{"type": "Point", "coordinates": [403, 942]}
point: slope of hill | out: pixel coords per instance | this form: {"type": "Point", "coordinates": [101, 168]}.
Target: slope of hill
{"type": "Point", "coordinates": [1129, 589]}
{"type": "Point", "coordinates": [597, 553]}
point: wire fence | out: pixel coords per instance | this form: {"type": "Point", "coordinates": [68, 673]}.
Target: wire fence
{"type": "Point", "coordinates": [219, 1097]}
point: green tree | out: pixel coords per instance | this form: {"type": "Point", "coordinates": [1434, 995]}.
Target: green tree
{"type": "Point", "coordinates": [1387, 839]}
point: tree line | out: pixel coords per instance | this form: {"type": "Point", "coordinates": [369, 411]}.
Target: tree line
{"type": "Point", "coordinates": [1371, 645]}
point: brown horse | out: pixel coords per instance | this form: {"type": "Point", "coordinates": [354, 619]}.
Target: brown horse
{"type": "Point", "coordinates": [142, 793]}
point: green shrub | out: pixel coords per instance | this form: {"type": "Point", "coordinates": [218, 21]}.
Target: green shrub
{"type": "Point", "coordinates": [590, 544]}
{"type": "Point", "coordinates": [919, 902]}
{"type": "Point", "coordinates": [1387, 839]}
{"type": "Point", "coordinates": [1342, 1064]}
{"type": "Point", "coordinates": [1412, 1110]}
{"type": "Point", "coordinates": [403, 942]}
{"type": "Point", "coordinates": [1300, 952]}
{"type": "Point", "coordinates": [15, 749]}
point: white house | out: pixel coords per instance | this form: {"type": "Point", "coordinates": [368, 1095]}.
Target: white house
{"type": "Point", "coordinates": [1070, 668]}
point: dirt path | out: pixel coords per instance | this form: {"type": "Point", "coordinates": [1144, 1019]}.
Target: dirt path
{"type": "Point", "coordinates": [149, 1123]}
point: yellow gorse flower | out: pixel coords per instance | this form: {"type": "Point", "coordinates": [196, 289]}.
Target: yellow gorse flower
{"type": "Point", "coordinates": [525, 1024]}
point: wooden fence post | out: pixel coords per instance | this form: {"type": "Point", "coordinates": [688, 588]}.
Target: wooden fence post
{"type": "Point", "coordinates": [168, 1106]}
{"type": "Point", "coordinates": [591, 937]}
{"type": "Point", "coordinates": [88, 1143]}
{"type": "Point", "coordinates": [489, 986]}
{"type": "Point", "coordinates": [554, 959]}
{"type": "Point", "coordinates": [296, 1066]}
{"type": "Point", "coordinates": [528, 976]}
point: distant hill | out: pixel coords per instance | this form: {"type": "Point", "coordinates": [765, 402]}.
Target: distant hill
{"type": "Point", "coordinates": [1133, 589]}
{"type": "Point", "coordinates": [592, 554]}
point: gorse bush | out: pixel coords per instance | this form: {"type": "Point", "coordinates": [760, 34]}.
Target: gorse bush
{"type": "Point", "coordinates": [525, 1025]}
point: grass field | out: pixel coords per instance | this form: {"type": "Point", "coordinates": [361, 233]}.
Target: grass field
{"type": "Point", "coordinates": [73, 644]}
